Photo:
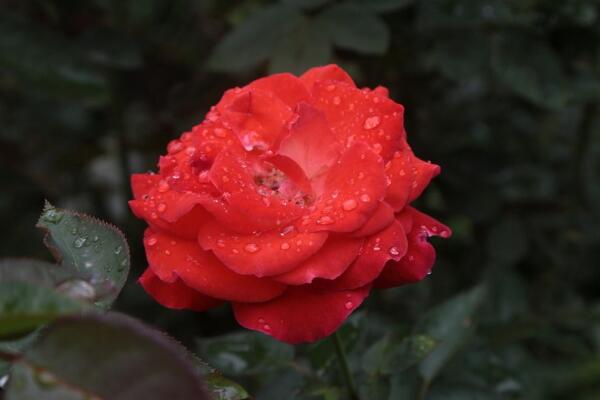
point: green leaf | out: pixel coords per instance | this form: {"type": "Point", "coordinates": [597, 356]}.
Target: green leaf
{"type": "Point", "coordinates": [245, 353]}
{"type": "Point", "coordinates": [15, 346]}
{"type": "Point", "coordinates": [353, 27]}
{"type": "Point", "coordinates": [304, 47]}
{"type": "Point", "coordinates": [97, 251]}
{"type": "Point", "coordinates": [36, 272]}
{"type": "Point", "coordinates": [451, 324]}
{"type": "Point", "coordinates": [254, 40]}
{"type": "Point", "coordinates": [389, 356]}
{"type": "Point", "coordinates": [224, 389]}
{"type": "Point", "coordinates": [24, 307]}
{"type": "Point", "coordinates": [539, 80]}
{"type": "Point", "coordinates": [106, 357]}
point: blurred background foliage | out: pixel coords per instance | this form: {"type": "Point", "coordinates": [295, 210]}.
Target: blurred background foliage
{"type": "Point", "coordinates": [503, 94]}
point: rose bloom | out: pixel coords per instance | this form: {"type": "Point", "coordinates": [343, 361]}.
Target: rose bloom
{"type": "Point", "coordinates": [291, 201]}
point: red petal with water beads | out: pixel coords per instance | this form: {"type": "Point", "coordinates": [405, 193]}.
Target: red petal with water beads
{"type": "Point", "coordinates": [301, 314]}
{"type": "Point", "coordinates": [389, 244]}
{"type": "Point", "coordinates": [176, 294]}
{"type": "Point", "coordinates": [361, 115]}
{"type": "Point", "coordinates": [171, 258]}
{"type": "Point", "coordinates": [381, 218]}
{"type": "Point", "coordinates": [329, 262]}
{"type": "Point", "coordinates": [285, 86]}
{"type": "Point", "coordinates": [350, 192]}
{"type": "Point", "coordinates": [264, 254]}
{"type": "Point", "coordinates": [419, 258]}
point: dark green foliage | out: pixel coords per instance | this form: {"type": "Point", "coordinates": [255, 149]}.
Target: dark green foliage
{"type": "Point", "coordinates": [504, 95]}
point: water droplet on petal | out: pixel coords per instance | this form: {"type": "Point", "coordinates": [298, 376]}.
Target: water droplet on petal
{"type": "Point", "coordinates": [79, 242]}
{"type": "Point", "coordinates": [337, 100]}
{"type": "Point", "coordinates": [267, 327]}
{"type": "Point", "coordinates": [261, 320]}
{"type": "Point", "coordinates": [190, 150]}
{"type": "Point", "coordinates": [174, 146]}
{"type": "Point", "coordinates": [377, 148]}
{"type": "Point", "coordinates": [371, 122]}
{"type": "Point", "coordinates": [394, 251]}
{"type": "Point", "coordinates": [220, 132]}
{"type": "Point", "coordinates": [161, 207]}
{"type": "Point", "coordinates": [221, 243]}
{"type": "Point", "coordinates": [251, 248]}
{"type": "Point", "coordinates": [167, 252]}
{"type": "Point", "coordinates": [151, 241]}
{"type": "Point", "coordinates": [285, 246]}
{"type": "Point", "coordinates": [349, 305]}
{"type": "Point", "coordinates": [287, 230]}
{"type": "Point", "coordinates": [349, 205]}
{"type": "Point", "coordinates": [365, 198]}
{"type": "Point", "coordinates": [325, 220]}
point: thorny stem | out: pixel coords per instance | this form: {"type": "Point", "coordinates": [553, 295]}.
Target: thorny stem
{"type": "Point", "coordinates": [341, 355]}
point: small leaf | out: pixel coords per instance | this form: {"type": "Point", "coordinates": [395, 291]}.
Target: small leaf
{"type": "Point", "coordinates": [450, 323]}
{"type": "Point", "coordinates": [96, 251]}
{"type": "Point", "coordinates": [353, 27]}
{"type": "Point", "coordinates": [106, 357]}
{"type": "Point", "coordinates": [254, 40]}
{"type": "Point", "coordinates": [24, 307]}
{"type": "Point", "coordinates": [224, 389]}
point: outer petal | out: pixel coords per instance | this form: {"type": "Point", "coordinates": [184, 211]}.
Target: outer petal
{"type": "Point", "coordinates": [382, 217]}
{"type": "Point", "coordinates": [408, 176]}
{"type": "Point", "coordinates": [176, 294]}
{"type": "Point", "coordinates": [231, 174]}
{"type": "Point", "coordinates": [419, 259]}
{"type": "Point", "coordinates": [351, 192]}
{"type": "Point", "coordinates": [300, 314]}
{"type": "Point", "coordinates": [285, 86]}
{"type": "Point", "coordinates": [264, 254]}
{"type": "Point", "coordinates": [361, 115]}
{"type": "Point", "coordinates": [329, 72]}
{"type": "Point", "coordinates": [309, 142]}
{"type": "Point", "coordinates": [389, 244]}
{"type": "Point", "coordinates": [171, 258]}
{"type": "Point", "coordinates": [328, 263]}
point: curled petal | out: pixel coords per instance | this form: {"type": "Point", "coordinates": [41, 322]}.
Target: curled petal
{"type": "Point", "coordinates": [328, 263]}
{"type": "Point", "coordinates": [408, 176]}
{"type": "Point", "coordinates": [350, 192]}
{"type": "Point", "coordinates": [389, 244]}
{"type": "Point", "coordinates": [176, 294]}
{"type": "Point", "coordinates": [301, 314]}
{"type": "Point", "coordinates": [172, 258]}
{"type": "Point", "coordinates": [382, 217]}
{"type": "Point", "coordinates": [420, 256]}
{"type": "Point", "coordinates": [329, 72]}
{"type": "Point", "coordinates": [285, 86]}
{"type": "Point", "coordinates": [265, 254]}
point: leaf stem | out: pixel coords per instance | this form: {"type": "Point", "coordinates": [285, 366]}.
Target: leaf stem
{"type": "Point", "coordinates": [341, 355]}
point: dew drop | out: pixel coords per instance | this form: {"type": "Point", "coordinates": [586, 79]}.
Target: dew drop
{"type": "Point", "coordinates": [161, 207]}
{"type": "Point", "coordinates": [251, 248]}
{"type": "Point", "coordinates": [267, 327]}
{"type": "Point", "coordinates": [285, 246]}
{"type": "Point", "coordinates": [190, 150]}
{"type": "Point", "coordinates": [330, 88]}
{"type": "Point", "coordinates": [371, 122]}
{"type": "Point", "coordinates": [349, 305]}
{"type": "Point", "coordinates": [377, 148]}
{"type": "Point", "coordinates": [79, 242]}
{"type": "Point", "coordinates": [325, 220]}
{"type": "Point", "coordinates": [287, 230]}
{"type": "Point", "coordinates": [167, 252]}
{"type": "Point", "coordinates": [365, 198]}
{"type": "Point", "coordinates": [221, 243]}
{"type": "Point", "coordinates": [349, 205]}
{"type": "Point", "coordinates": [174, 146]}
{"type": "Point", "coordinates": [163, 186]}
{"type": "Point", "coordinates": [220, 132]}
{"type": "Point", "coordinates": [394, 251]}
{"type": "Point", "coordinates": [151, 241]}
{"type": "Point", "coordinates": [337, 100]}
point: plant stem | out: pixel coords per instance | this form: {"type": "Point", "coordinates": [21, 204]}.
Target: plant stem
{"type": "Point", "coordinates": [341, 355]}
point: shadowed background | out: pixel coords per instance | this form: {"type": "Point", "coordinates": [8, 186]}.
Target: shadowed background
{"type": "Point", "coordinates": [502, 94]}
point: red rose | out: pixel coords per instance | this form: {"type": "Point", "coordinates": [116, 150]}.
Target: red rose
{"type": "Point", "coordinates": [291, 201]}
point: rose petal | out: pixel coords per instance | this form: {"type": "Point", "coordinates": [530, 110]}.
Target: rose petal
{"type": "Point", "coordinates": [329, 72]}
{"type": "Point", "coordinates": [231, 173]}
{"type": "Point", "coordinates": [361, 115]}
{"type": "Point", "coordinates": [389, 244]}
{"type": "Point", "coordinates": [256, 116]}
{"type": "Point", "coordinates": [285, 86]}
{"type": "Point", "coordinates": [381, 218]}
{"type": "Point", "coordinates": [409, 176]}
{"type": "Point", "coordinates": [265, 254]}
{"type": "Point", "coordinates": [171, 258]}
{"type": "Point", "coordinates": [350, 192]}
{"type": "Point", "coordinates": [419, 258]}
{"type": "Point", "coordinates": [329, 262]}
{"type": "Point", "coordinates": [176, 295]}
{"type": "Point", "coordinates": [300, 314]}
{"type": "Point", "coordinates": [309, 142]}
